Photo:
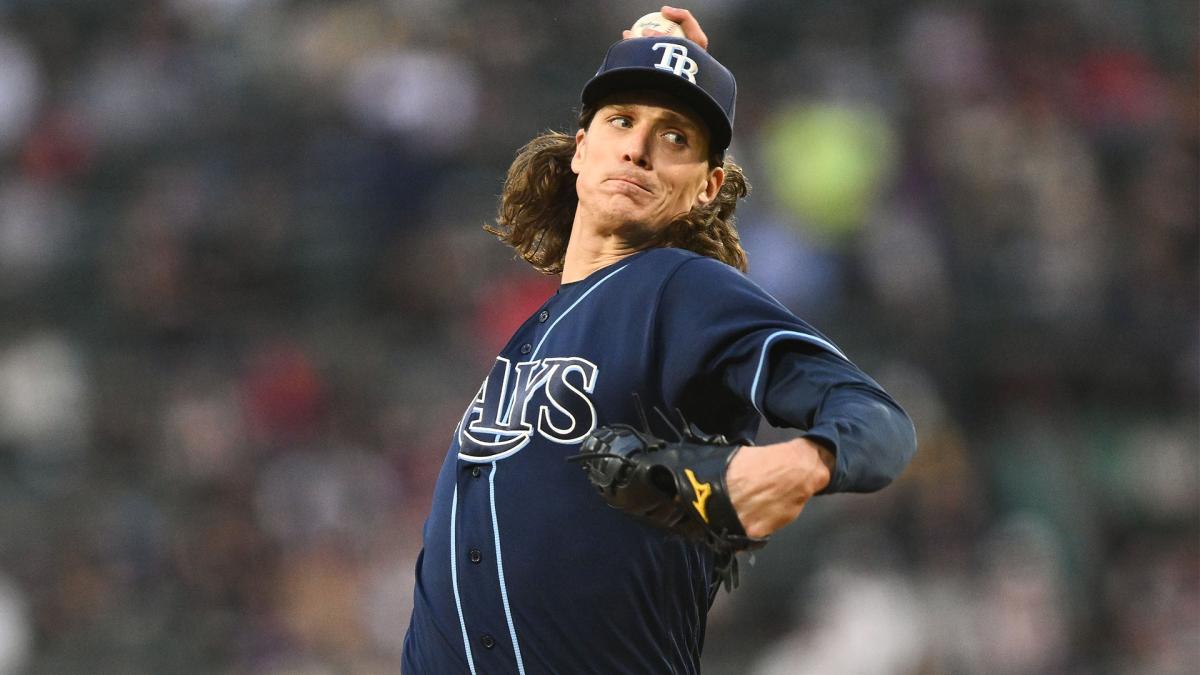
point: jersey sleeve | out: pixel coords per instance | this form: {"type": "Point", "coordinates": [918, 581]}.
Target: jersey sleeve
{"type": "Point", "coordinates": [718, 327]}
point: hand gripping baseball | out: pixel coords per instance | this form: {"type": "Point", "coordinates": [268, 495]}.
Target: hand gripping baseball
{"type": "Point", "coordinates": [678, 486]}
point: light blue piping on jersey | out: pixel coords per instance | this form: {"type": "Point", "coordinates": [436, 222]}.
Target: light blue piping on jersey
{"type": "Point", "coordinates": [462, 623]}
{"type": "Point", "coordinates": [508, 453]}
{"type": "Point", "coordinates": [762, 358]}
{"type": "Point", "coordinates": [564, 314]}
{"type": "Point", "coordinates": [512, 630]}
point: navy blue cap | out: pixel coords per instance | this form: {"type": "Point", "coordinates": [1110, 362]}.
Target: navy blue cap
{"type": "Point", "coordinates": [674, 65]}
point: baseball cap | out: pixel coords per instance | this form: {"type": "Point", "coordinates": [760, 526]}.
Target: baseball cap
{"type": "Point", "coordinates": [677, 66]}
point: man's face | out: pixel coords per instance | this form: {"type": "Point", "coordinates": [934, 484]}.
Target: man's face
{"type": "Point", "coordinates": [642, 163]}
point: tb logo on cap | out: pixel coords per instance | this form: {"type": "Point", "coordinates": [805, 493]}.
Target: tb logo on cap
{"type": "Point", "coordinates": [675, 59]}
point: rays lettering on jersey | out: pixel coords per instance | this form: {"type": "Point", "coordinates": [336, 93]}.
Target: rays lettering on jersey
{"type": "Point", "coordinates": [501, 420]}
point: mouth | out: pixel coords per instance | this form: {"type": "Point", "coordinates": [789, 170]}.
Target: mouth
{"type": "Point", "coordinates": [629, 180]}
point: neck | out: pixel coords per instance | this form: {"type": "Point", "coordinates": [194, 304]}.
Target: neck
{"type": "Point", "coordinates": [591, 248]}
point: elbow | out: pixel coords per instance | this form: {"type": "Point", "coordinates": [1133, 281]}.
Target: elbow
{"type": "Point", "coordinates": [894, 450]}
{"type": "Point", "coordinates": [904, 448]}
{"type": "Point", "coordinates": [873, 441]}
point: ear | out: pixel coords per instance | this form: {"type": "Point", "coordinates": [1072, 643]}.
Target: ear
{"type": "Point", "coordinates": [712, 185]}
{"type": "Point", "coordinates": [580, 150]}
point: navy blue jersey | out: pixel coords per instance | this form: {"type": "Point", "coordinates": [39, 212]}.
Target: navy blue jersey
{"type": "Point", "coordinates": [524, 568]}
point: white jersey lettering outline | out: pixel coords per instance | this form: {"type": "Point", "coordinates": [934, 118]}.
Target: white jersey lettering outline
{"type": "Point", "coordinates": [561, 380]}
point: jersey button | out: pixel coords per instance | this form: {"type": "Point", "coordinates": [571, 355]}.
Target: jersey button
{"type": "Point", "coordinates": [542, 316]}
{"type": "Point", "coordinates": [526, 348]}
{"type": "Point", "coordinates": [487, 641]}
{"type": "Point", "coordinates": [476, 555]}
{"type": "Point", "coordinates": [475, 472]}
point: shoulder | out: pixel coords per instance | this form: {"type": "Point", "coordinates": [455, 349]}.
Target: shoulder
{"type": "Point", "coordinates": [709, 278]}
{"type": "Point", "coordinates": [673, 263]}
{"type": "Point", "coordinates": [678, 256]}
{"type": "Point", "coordinates": [664, 259]}
{"type": "Point", "coordinates": [682, 279]}
{"type": "Point", "coordinates": [653, 267]}
{"type": "Point", "coordinates": [705, 287]}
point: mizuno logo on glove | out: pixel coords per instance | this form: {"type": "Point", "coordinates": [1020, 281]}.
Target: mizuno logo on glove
{"type": "Point", "coordinates": [702, 490]}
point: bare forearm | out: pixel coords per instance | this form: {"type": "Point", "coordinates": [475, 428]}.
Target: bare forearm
{"type": "Point", "coordinates": [770, 484]}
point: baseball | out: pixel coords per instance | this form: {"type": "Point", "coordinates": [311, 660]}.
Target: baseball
{"type": "Point", "coordinates": [657, 22]}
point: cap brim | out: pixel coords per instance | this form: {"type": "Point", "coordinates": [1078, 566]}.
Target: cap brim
{"type": "Point", "coordinates": [628, 79]}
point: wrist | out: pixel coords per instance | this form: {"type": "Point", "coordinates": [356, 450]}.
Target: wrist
{"type": "Point", "coordinates": [821, 462]}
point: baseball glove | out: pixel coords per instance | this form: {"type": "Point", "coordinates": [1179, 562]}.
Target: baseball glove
{"type": "Point", "coordinates": [678, 486]}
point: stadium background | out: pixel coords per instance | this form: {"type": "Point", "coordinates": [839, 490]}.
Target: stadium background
{"type": "Point", "coordinates": [245, 295]}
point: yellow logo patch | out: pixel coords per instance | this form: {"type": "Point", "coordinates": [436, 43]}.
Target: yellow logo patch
{"type": "Point", "coordinates": [703, 490]}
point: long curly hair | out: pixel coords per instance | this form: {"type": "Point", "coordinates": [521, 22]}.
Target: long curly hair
{"type": "Point", "coordinates": [538, 204]}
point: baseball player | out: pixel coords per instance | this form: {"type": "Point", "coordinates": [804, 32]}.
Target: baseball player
{"type": "Point", "coordinates": [527, 567]}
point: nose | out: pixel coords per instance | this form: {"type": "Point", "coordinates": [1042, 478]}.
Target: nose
{"type": "Point", "coordinates": [637, 148]}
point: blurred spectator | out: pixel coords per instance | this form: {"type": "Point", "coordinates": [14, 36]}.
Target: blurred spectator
{"type": "Point", "coordinates": [20, 89]}
{"type": "Point", "coordinates": [44, 399]}
{"type": "Point", "coordinates": [15, 630]}
{"type": "Point", "coordinates": [39, 234]}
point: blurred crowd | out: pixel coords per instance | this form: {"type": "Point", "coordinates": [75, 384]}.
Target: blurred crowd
{"type": "Point", "coordinates": [245, 296]}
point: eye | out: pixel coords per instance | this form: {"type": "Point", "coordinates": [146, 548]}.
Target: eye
{"type": "Point", "coordinates": [620, 121]}
{"type": "Point", "coordinates": [675, 138]}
